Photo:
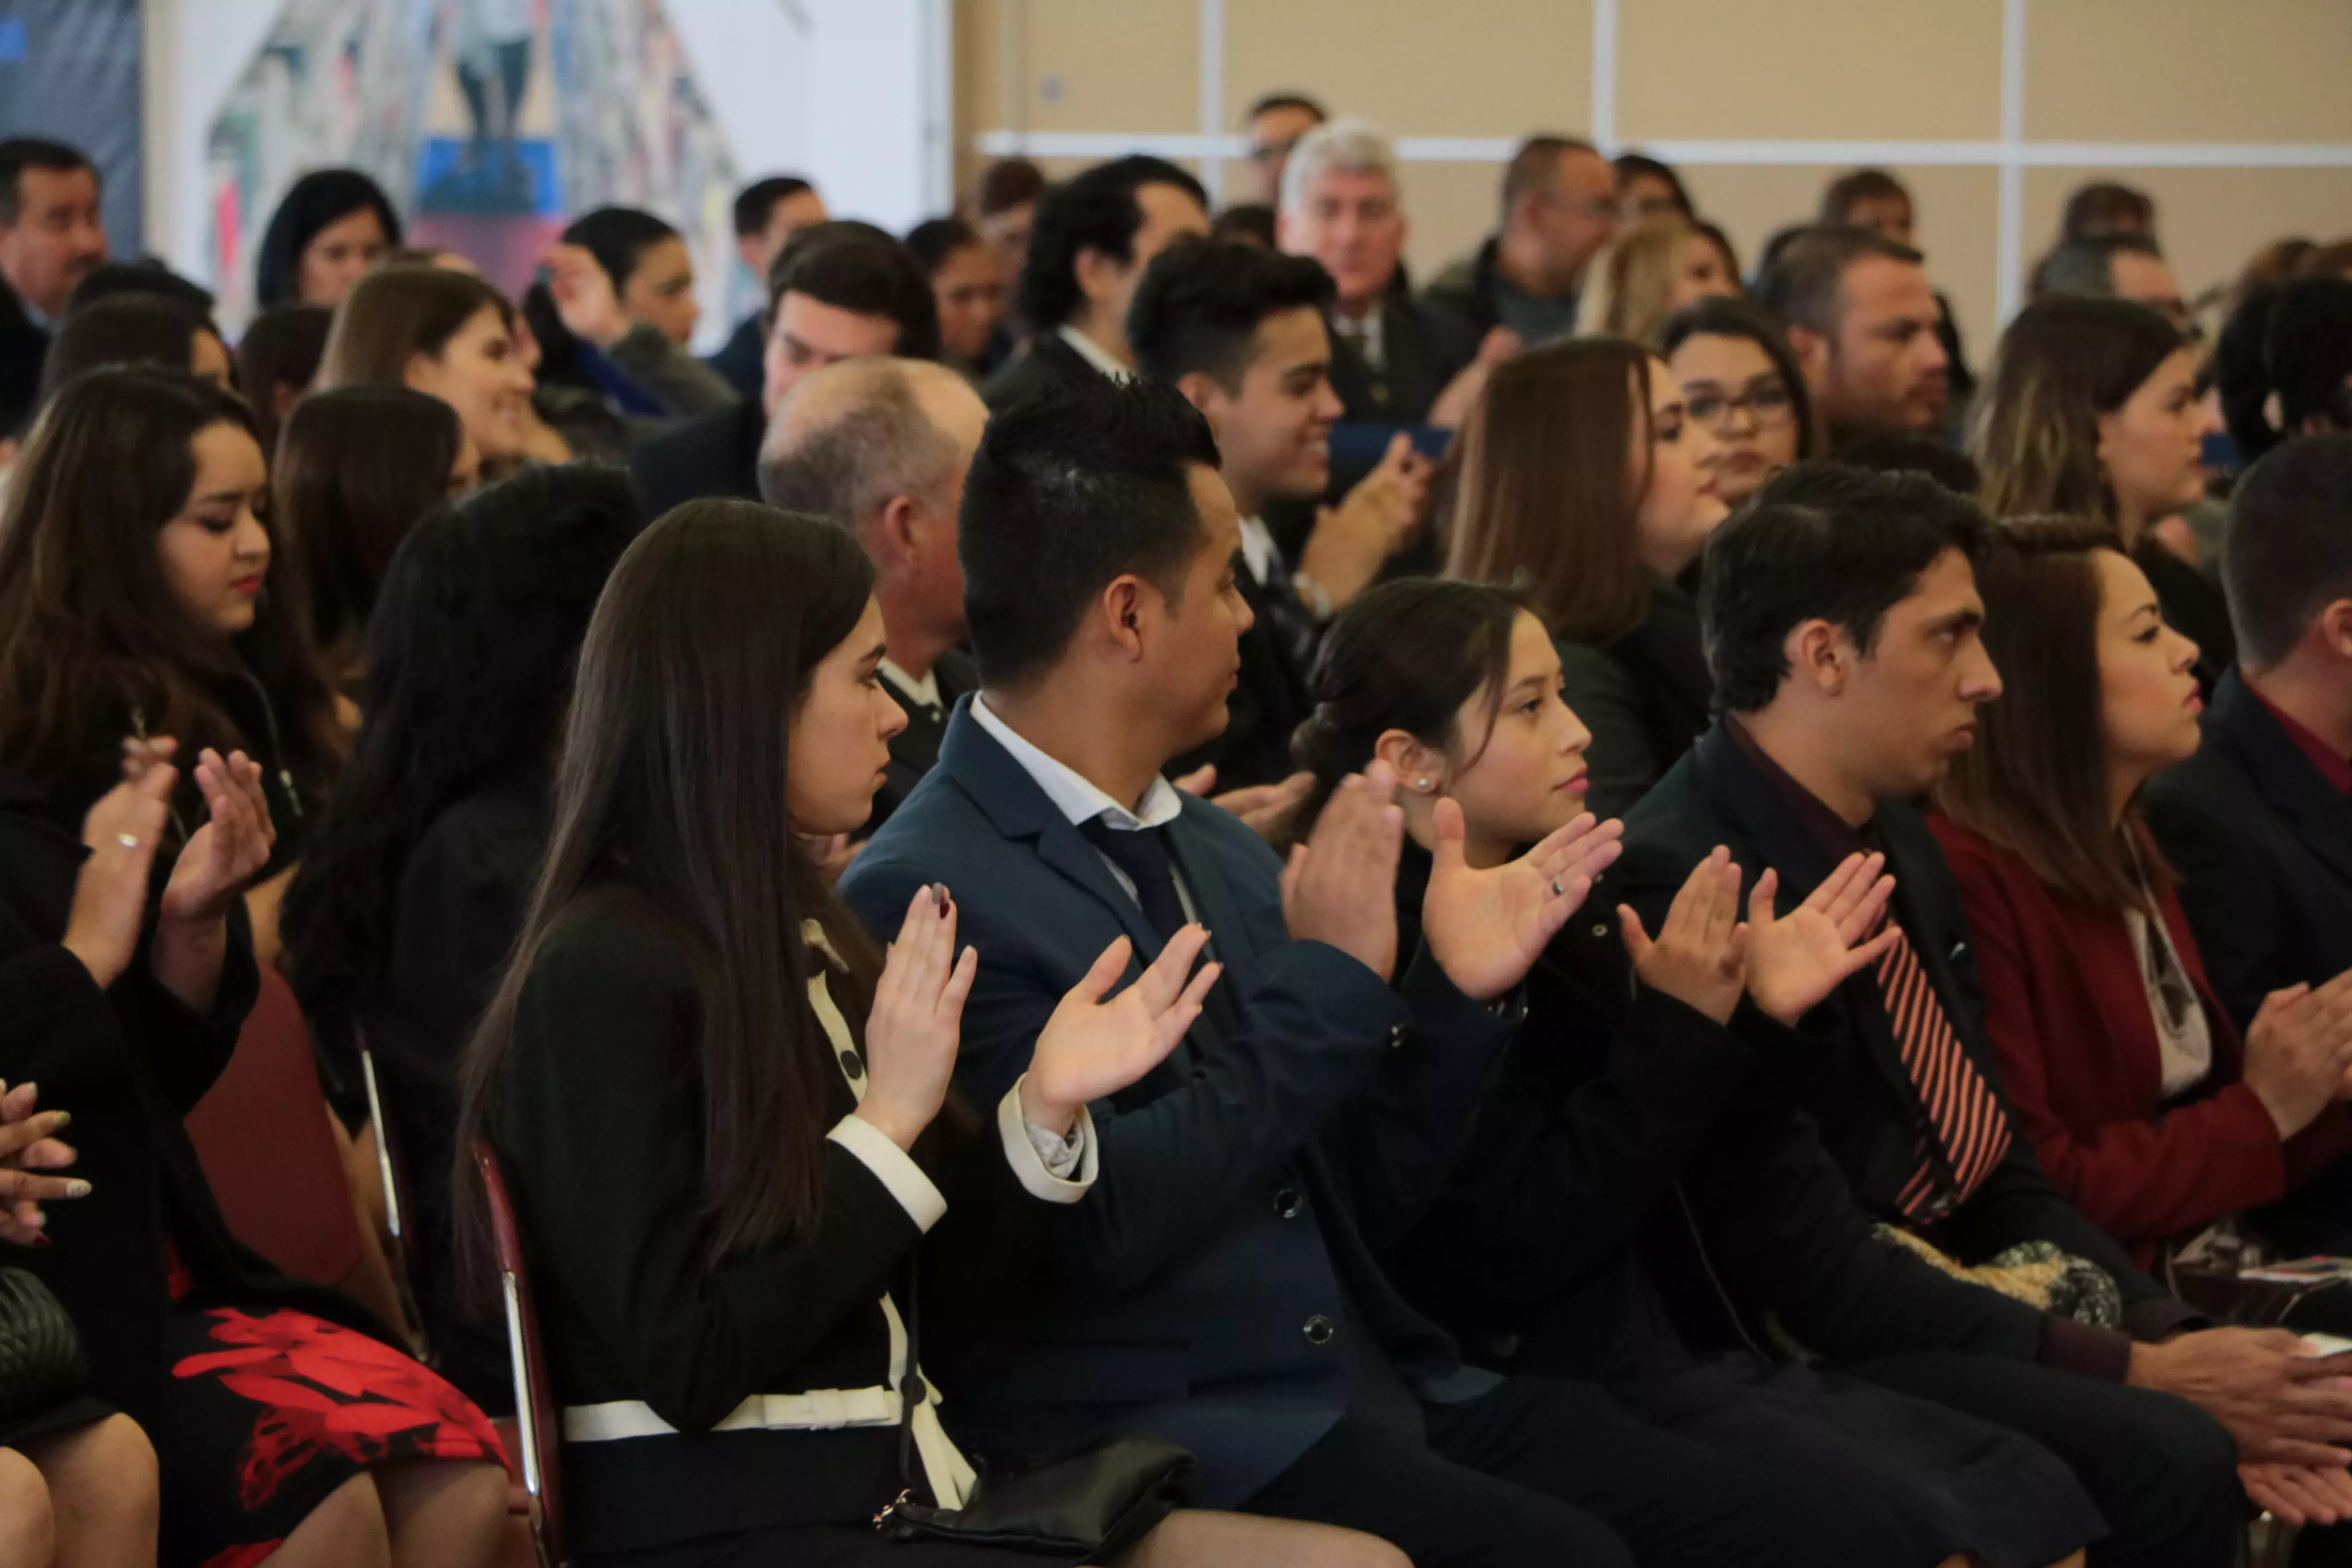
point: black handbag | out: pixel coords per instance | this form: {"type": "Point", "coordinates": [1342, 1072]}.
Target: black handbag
{"type": "Point", "coordinates": [41, 1359]}
{"type": "Point", "coordinates": [1090, 1503]}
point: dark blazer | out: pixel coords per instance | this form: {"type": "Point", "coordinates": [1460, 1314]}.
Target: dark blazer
{"type": "Point", "coordinates": [1424, 349]}
{"type": "Point", "coordinates": [743, 358]}
{"type": "Point", "coordinates": [1213, 1279]}
{"type": "Point", "coordinates": [2264, 845]}
{"type": "Point", "coordinates": [1854, 1085]}
{"type": "Point", "coordinates": [1646, 697]}
{"type": "Point", "coordinates": [599, 1125]}
{"type": "Point", "coordinates": [1269, 699]}
{"type": "Point", "coordinates": [2068, 1016]}
{"type": "Point", "coordinates": [915, 750]}
{"type": "Point", "coordinates": [129, 1062]}
{"type": "Point", "coordinates": [713, 454]}
{"type": "Point", "coordinates": [1046, 359]}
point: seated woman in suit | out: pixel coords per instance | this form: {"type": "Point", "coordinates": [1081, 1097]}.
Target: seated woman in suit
{"type": "Point", "coordinates": [1560, 1245]}
{"type": "Point", "coordinates": [1585, 479]}
{"type": "Point", "coordinates": [400, 922]}
{"type": "Point", "coordinates": [725, 1117]}
{"type": "Point", "coordinates": [2144, 1105]}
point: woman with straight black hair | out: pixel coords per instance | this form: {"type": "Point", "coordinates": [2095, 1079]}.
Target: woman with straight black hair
{"type": "Point", "coordinates": [1567, 1243]}
{"type": "Point", "coordinates": [725, 1117]}
{"type": "Point", "coordinates": [329, 227]}
{"type": "Point", "coordinates": [401, 921]}
{"type": "Point", "coordinates": [614, 312]}
{"type": "Point", "coordinates": [1740, 381]}
{"type": "Point", "coordinates": [133, 329]}
{"type": "Point", "coordinates": [355, 469]}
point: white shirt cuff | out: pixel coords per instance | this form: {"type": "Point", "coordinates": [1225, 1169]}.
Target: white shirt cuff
{"type": "Point", "coordinates": [893, 1167]}
{"type": "Point", "coordinates": [1030, 1166]}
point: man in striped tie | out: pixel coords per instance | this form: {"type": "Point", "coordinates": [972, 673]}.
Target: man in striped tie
{"type": "Point", "coordinates": [1841, 618]}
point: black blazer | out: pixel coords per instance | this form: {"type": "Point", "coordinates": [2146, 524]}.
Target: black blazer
{"type": "Point", "coordinates": [915, 750]}
{"type": "Point", "coordinates": [1646, 697]}
{"type": "Point", "coordinates": [713, 454]}
{"type": "Point", "coordinates": [743, 359]}
{"type": "Point", "coordinates": [129, 1062]}
{"type": "Point", "coordinates": [2264, 845]}
{"type": "Point", "coordinates": [1424, 349]}
{"type": "Point", "coordinates": [1853, 1084]}
{"type": "Point", "coordinates": [1213, 1277]}
{"type": "Point", "coordinates": [1641, 1194]}
{"type": "Point", "coordinates": [599, 1126]}
{"type": "Point", "coordinates": [1269, 698]}
{"type": "Point", "coordinates": [1047, 358]}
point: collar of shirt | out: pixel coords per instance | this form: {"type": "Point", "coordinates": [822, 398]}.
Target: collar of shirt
{"type": "Point", "coordinates": [1076, 797]}
{"type": "Point", "coordinates": [1825, 827]}
{"type": "Point", "coordinates": [1364, 332]}
{"type": "Point", "coordinates": [925, 691]}
{"type": "Point", "coordinates": [1258, 549]}
{"type": "Point", "coordinates": [1092, 353]}
{"type": "Point", "coordinates": [2335, 770]}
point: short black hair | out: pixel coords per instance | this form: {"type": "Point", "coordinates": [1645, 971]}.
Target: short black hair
{"type": "Point", "coordinates": [1096, 210]}
{"type": "Point", "coordinates": [1801, 281]}
{"type": "Point", "coordinates": [18, 154]}
{"type": "Point", "coordinates": [618, 237]}
{"type": "Point", "coordinates": [1912, 452]}
{"type": "Point", "coordinates": [2291, 341]}
{"type": "Point", "coordinates": [2287, 552]}
{"type": "Point", "coordinates": [934, 239]}
{"type": "Point", "coordinates": [1285, 99]}
{"type": "Point", "coordinates": [1841, 195]}
{"type": "Point", "coordinates": [112, 279]}
{"type": "Point", "coordinates": [2102, 206]}
{"type": "Point", "coordinates": [2086, 265]}
{"type": "Point", "coordinates": [1072, 486]}
{"type": "Point", "coordinates": [322, 198]}
{"type": "Point", "coordinates": [860, 268]}
{"type": "Point", "coordinates": [1201, 300]}
{"type": "Point", "coordinates": [1631, 166]}
{"type": "Point", "coordinates": [124, 329]}
{"type": "Point", "coordinates": [756, 203]}
{"type": "Point", "coordinates": [1823, 541]}
{"type": "Point", "coordinates": [1535, 166]}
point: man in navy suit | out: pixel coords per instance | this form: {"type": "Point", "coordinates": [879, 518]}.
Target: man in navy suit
{"type": "Point", "coordinates": [1220, 1288]}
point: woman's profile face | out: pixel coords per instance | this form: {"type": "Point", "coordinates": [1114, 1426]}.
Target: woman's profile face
{"type": "Point", "coordinates": [841, 731]}
{"type": "Point", "coordinates": [2150, 448]}
{"type": "Point", "coordinates": [1527, 777]}
{"type": "Point", "coordinates": [480, 373]}
{"type": "Point", "coordinates": [214, 551]}
{"type": "Point", "coordinates": [1684, 501]}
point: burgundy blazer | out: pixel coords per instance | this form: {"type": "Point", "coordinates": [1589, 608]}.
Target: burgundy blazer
{"type": "Point", "coordinates": [2068, 1016]}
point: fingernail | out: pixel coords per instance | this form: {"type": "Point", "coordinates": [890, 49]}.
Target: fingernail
{"type": "Point", "coordinates": [77, 1188]}
{"type": "Point", "coordinates": [64, 1119]}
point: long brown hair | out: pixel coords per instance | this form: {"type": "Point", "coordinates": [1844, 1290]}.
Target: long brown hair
{"type": "Point", "coordinates": [1638, 277]}
{"type": "Point", "coordinates": [1547, 507]}
{"type": "Point", "coordinates": [89, 626]}
{"type": "Point", "coordinates": [395, 312]}
{"type": "Point", "coordinates": [2036, 780]}
{"type": "Point", "coordinates": [671, 797]}
{"type": "Point", "coordinates": [2061, 363]}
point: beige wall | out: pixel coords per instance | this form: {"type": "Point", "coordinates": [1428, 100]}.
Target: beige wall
{"type": "Point", "coordinates": [2264, 76]}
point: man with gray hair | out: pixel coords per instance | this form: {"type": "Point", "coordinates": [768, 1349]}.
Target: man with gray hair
{"type": "Point", "coordinates": [1393, 361]}
{"type": "Point", "coordinates": [881, 446]}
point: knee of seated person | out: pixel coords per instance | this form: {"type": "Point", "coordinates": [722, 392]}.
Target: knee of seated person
{"type": "Point", "coordinates": [113, 1458]}
{"type": "Point", "coordinates": [28, 1529]}
{"type": "Point", "coordinates": [2185, 1469]}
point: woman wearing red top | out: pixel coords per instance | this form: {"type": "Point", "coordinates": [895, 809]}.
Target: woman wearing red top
{"type": "Point", "coordinates": [2143, 1103]}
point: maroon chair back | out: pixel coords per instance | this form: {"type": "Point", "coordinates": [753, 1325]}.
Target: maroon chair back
{"type": "Point", "coordinates": [538, 1419]}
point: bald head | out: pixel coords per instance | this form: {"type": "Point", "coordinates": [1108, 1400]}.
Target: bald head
{"type": "Point", "coordinates": [881, 446]}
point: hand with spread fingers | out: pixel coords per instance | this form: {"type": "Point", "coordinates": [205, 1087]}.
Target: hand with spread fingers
{"type": "Point", "coordinates": [1340, 887]}
{"type": "Point", "coordinates": [1699, 956]}
{"type": "Point", "coordinates": [916, 1022]}
{"type": "Point", "coordinates": [1797, 959]}
{"type": "Point", "coordinates": [1091, 1048]}
{"type": "Point", "coordinates": [1262, 808]}
{"type": "Point", "coordinates": [29, 1146]}
{"type": "Point", "coordinates": [1486, 928]}
{"type": "Point", "coordinates": [214, 870]}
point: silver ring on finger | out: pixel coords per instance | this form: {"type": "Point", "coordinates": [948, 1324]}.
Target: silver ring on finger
{"type": "Point", "coordinates": [1557, 891]}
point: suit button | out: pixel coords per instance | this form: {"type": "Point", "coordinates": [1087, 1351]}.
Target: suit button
{"type": "Point", "coordinates": [853, 1064]}
{"type": "Point", "coordinates": [1600, 931]}
{"type": "Point", "coordinates": [1290, 1203]}
{"type": "Point", "coordinates": [1319, 1329]}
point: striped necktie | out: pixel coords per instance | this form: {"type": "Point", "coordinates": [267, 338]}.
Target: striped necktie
{"type": "Point", "coordinates": [1968, 1131]}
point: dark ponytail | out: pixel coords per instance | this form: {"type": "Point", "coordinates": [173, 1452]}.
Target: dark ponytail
{"type": "Point", "coordinates": [1406, 655]}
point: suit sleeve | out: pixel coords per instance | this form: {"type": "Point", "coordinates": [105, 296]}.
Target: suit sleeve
{"type": "Point", "coordinates": [683, 384]}
{"type": "Point", "coordinates": [2138, 1179]}
{"type": "Point", "coordinates": [2234, 910]}
{"type": "Point", "coordinates": [1622, 763]}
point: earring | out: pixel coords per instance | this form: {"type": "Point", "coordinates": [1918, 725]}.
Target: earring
{"type": "Point", "coordinates": [1421, 784]}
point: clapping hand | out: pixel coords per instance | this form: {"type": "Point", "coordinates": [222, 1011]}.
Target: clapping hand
{"type": "Point", "coordinates": [110, 901]}
{"type": "Point", "coordinates": [2299, 1052]}
{"type": "Point", "coordinates": [1486, 928]}
{"type": "Point", "coordinates": [916, 1020]}
{"type": "Point", "coordinates": [1262, 808]}
{"type": "Point", "coordinates": [27, 1145]}
{"type": "Point", "coordinates": [1699, 956]}
{"type": "Point", "coordinates": [1351, 541]}
{"type": "Point", "coordinates": [2299, 1494]}
{"type": "Point", "coordinates": [1340, 887]}
{"type": "Point", "coordinates": [1796, 959]}
{"type": "Point", "coordinates": [221, 860]}
{"type": "Point", "coordinates": [1091, 1048]}
{"type": "Point", "coordinates": [585, 300]}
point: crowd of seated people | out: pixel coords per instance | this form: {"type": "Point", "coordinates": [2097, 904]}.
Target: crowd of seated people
{"type": "Point", "coordinates": [1127, 888]}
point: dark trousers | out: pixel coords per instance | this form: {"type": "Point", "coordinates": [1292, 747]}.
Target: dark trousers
{"type": "Point", "coordinates": [2163, 1472]}
{"type": "Point", "coordinates": [1546, 1471]}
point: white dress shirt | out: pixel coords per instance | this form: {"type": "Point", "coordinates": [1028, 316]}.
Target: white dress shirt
{"type": "Point", "coordinates": [1093, 353]}
{"type": "Point", "coordinates": [924, 693]}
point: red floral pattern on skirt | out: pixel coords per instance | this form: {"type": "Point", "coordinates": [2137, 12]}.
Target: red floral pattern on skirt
{"type": "Point", "coordinates": [327, 1391]}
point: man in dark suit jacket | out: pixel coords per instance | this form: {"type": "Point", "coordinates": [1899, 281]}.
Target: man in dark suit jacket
{"type": "Point", "coordinates": [768, 211]}
{"type": "Point", "coordinates": [838, 291]}
{"type": "Point", "coordinates": [52, 233]}
{"type": "Point", "coordinates": [1093, 236]}
{"type": "Point", "coordinates": [1219, 1287]}
{"type": "Point", "coordinates": [2259, 822]}
{"type": "Point", "coordinates": [881, 446]}
{"type": "Point", "coordinates": [1848, 666]}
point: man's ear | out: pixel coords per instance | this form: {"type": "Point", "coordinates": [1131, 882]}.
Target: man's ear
{"type": "Point", "coordinates": [1202, 392]}
{"type": "Point", "coordinates": [2336, 629]}
{"type": "Point", "coordinates": [1121, 611]}
{"type": "Point", "coordinates": [1813, 351]}
{"type": "Point", "coordinates": [890, 536]}
{"type": "Point", "coordinates": [1821, 655]}
{"type": "Point", "coordinates": [1099, 274]}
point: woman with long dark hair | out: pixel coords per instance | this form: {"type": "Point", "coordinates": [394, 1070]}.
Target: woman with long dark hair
{"type": "Point", "coordinates": [329, 227]}
{"type": "Point", "coordinates": [1586, 484]}
{"type": "Point", "coordinates": [444, 334]}
{"type": "Point", "coordinates": [2091, 408]}
{"type": "Point", "coordinates": [355, 469]}
{"type": "Point", "coordinates": [725, 1116]}
{"type": "Point", "coordinates": [401, 919]}
{"type": "Point", "coordinates": [616, 312]}
{"type": "Point", "coordinates": [1569, 1242]}
{"type": "Point", "coordinates": [1740, 381]}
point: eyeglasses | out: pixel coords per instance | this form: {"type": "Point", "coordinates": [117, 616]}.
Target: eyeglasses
{"type": "Point", "coordinates": [1767, 404]}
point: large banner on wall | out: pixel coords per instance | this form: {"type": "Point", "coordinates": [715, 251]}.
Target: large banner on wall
{"type": "Point", "coordinates": [69, 70]}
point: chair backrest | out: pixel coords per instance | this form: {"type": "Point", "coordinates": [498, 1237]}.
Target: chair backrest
{"type": "Point", "coordinates": [268, 1151]}
{"type": "Point", "coordinates": [536, 1415]}
{"type": "Point", "coordinates": [392, 1173]}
